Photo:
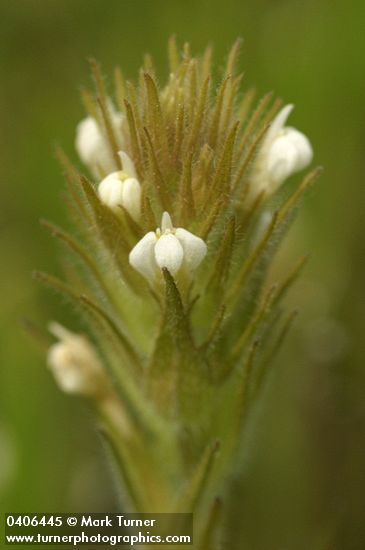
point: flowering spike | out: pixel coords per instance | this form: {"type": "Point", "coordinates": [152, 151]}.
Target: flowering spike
{"type": "Point", "coordinates": [177, 345]}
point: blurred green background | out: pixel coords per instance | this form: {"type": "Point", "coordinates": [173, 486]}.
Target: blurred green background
{"type": "Point", "coordinates": [305, 480]}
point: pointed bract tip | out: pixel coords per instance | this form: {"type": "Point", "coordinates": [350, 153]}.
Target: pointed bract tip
{"type": "Point", "coordinates": [166, 222]}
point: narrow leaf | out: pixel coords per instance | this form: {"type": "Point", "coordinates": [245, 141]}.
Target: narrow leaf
{"type": "Point", "coordinates": [199, 480]}
{"type": "Point", "coordinates": [291, 278]}
{"type": "Point", "coordinates": [215, 328]}
{"type": "Point", "coordinates": [273, 352]}
{"type": "Point", "coordinates": [252, 259]}
{"type": "Point", "coordinates": [253, 121]}
{"type": "Point", "coordinates": [102, 101]}
{"type": "Point", "coordinates": [155, 117]}
{"type": "Point", "coordinates": [135, 145]}
{"type": "Point", "coordinates": [224, 255]}
{"type": "Point", "coordinates": [120, 88]}
{"type": "Point", "coordinates": [105, 317]}
{"type": "Point", "coordinates": [173, 54]}
{"type": "Point", "coordinates": [250, 329]}
{"type": "Point", "coordinates": [126, 463]}
{"type": "Point", "coordinates": [213, 133]}
{"type": "Point", "coordinates": [196, 127]}
{"type": "Point", "coordinates": [208, 536]}
{"type": "Point", "coordinates": [185, 193]}
{"type": "Point", "coordinates": [233, 57]}
{"type": "Point", "coordinates": [160, 184]}
{"type": "Point", "coordinates": [73, 245]}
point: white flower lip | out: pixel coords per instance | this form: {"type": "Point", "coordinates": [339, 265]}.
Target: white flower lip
{"type": "Point", "coordinates": [142, 256]}
{"type": "Point", "coordinates": [169, 253]}
{"type": "Point", "coordinates": [194, 247]}
{"type": "Point", "coordinates": [122, 189]}
{"type": "Point", "coordinates": [168, 248]}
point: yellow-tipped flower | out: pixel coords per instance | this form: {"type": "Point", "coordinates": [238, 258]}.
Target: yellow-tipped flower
{"type": "Point", "coordinates": [122, 189]}
{"type": "Point", "coordinates": [167, 247]}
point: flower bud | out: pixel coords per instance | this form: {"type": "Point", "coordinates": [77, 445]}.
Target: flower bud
{"type": "Point", "coordinates": [92, 144]}
{"type": "Point", "coordinates": [169, 248]}
{"type": "Point", "coordinates": [75, 364]}
{"type": "Point", "coordinates": [115, 192]}
{"type": "Point", "coordinates": [122, 189]}
{"type": "Point", "coordinates": [284, 152]}
{"type": "Point", "coordinates": [290, 152]}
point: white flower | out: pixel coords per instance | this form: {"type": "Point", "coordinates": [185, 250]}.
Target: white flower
{"type": "Point", "coordinates": [122, 188]}
{"type": "Point", "coordinates": [167, 247]}
{"type": "Point", "coordinates": [284, 152]}
{"type": "Point", "coordinates": [74, 364]}
{"type": "Point", "coordinates": [92, 144]}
